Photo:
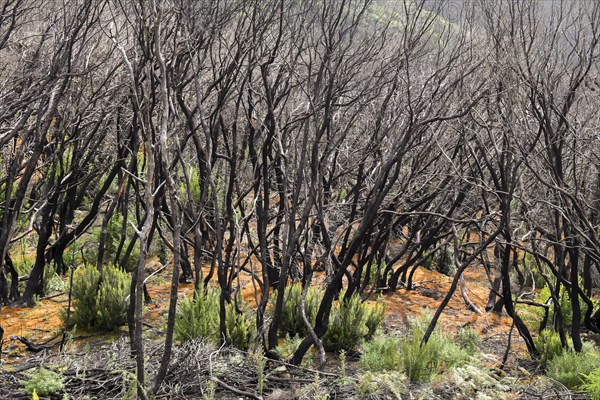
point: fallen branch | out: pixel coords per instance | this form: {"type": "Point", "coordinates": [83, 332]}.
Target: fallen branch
{"type": "Point", "coordinates": [30, 345]}
{"type": "Point", "coordinates": [234, 389]}
{"type": "Point", "coordinates": [1, 341]}
{"type": "Point", "coordinates": [225, 385]}
{"type": "Point", "coordinates": [36, 348]}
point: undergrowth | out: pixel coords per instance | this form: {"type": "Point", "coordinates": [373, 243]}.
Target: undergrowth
{"type": "Point", "coordinates": [352, 322]}
{"type": "Point", "coordinates": [571, 368]}
{"type": "Point", "coordinates": [44, 383]}
{"type": "Point", "coordinates": [534, 316]}
{"type": "Point", "coordinates": [198, 317]}
{"type": "Point", "coordinates": [420, 362]}
{"type": "Point", "coordinates": [292, 323]}
{"type": "Point", "coordinates": [100, 304]}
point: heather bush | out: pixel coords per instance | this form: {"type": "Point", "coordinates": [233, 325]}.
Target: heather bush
{"type": "Point", "coordinates": [292, 323]}
{"type": "Point", "coordinates": [198, 317]}
{"type": "Point", "coordinates": [100, 303]}
{"type": "Point", "coordinates": [352, 322]}
{"type": "Point", "coordinates": [44, 383]}
{"type": "Point", "coordinates": [571, 368]}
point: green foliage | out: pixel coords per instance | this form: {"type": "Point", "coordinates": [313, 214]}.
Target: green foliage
{"type": "Point", "coordinates": [259, 359]}
{"type": "Point", "coordinates": [198, 316]}
{"type": "Point", "coordinates": [591, 385]}
{"type": "Point", "coordinates": [381, 354]}
{"type": "Point", "coordinates": [22, 264]}
{"type": "Point", "coordinates": [421, 363]}
{"type": "Point", "coordinates": [44, 383]}
{"type": "Point", "coordinates": [468, 339]}
{"type": "Point", "coordinates": [85, 288]}
{"type": "Point", "coordinates": [343, 369]}
{"type": "Point", "coordinates": [110, 301]}
{"type": "Point", "coordinates": [534, 272]}
{"type": "Point", "coordinates": [571, 368]}
{"type": "Point", "coordinates": [472, 382]}
{"type": "Point", "coordinates": [210, 388]}
{"type": "Point", "coordinates": [288, 346]}
{"type": "Point", "coordinates": [52, 281]}
{"type": "Point", "coordinates": [388, 385]}
{"type": "Point", "coordinates": [375, 271]}
{"type": "Point", "coordinates": [239, 328]}
{"type": "Point", "coordinates": [549, 345]}
{"type": "Point", "coordinates": [535, 315]}
{"type": "Point", "coordinates": [352, 322]}
{"type": "Point", "coordinates": [88, 244]}
{"type": "Point", "coordinates": [444, 262]}
{"type": "Point", "coordinates": [291, 322]}
{"type": "Point", "coordinates": [349, 323]}
{"type": "Point", "coordinates": [113, 235]}
{"type": "Point", "coordinates": [193, 186]}
{"type": "Point", "coordinates": [315, 390]}
{"type": "Point", "coordinates": [98, 304]}
{"type": "Point", "coordinates": [375, 317]}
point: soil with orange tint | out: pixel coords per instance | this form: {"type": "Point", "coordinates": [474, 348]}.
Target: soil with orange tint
{"type": "Point", "coordinates": [42, 323]}
{"type": "Point", "coordinates": [38, 324]}
{"type": "Point", "coordinates": [429, 290]}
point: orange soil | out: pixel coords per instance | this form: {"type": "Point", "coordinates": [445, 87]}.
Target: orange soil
{"type": "Point", "coordinates": [42, 322]}
{"type": "Point", "coordinates": [39, 323]}
{"type": "Point", "coordinates": [430, 290]}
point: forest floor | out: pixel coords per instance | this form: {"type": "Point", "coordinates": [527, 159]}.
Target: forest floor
{"type": "Point", "coordinates": [43, 326]}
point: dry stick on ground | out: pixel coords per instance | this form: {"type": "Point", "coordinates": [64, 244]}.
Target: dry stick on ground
{"type": "Point", "coordinates": [226, 386]}
{"type": "Point", "coordinates": [508, 345]}
{"type": "Point", "coordinates": [1, 341]}
{"type": "Point", "coordinates": [463, 288]}
{"type": "Point", "coordinates": [463, 291]}
{"type": "Point", "coordinates": [311, 331]}
{"type": "Point", "coordinates": [36, 348]}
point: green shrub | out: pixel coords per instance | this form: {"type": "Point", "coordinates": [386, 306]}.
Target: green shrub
{"type": "Point", "coordinates": [533, 272]}
{"type": "Point", "coordinates": [292, 323]}
{"type": "Point", "coordinates": [444, 262]}
{"type": "Point", "coordinates": [85, 288]}
{"type": "Point", "coordinates": [571, 368]}
{"type": "Point", "coordinates": [349, 323]}
{"type": "Point", "coordinates": [286, 348]}
{"type": "Point", "coordinates": [352, 322]}
{"type": "Point", "coordinates": [535, 315]}
{"type": "Point", "coordinates": [386, 385]}
{"type": "Point", "coordinates": [315, 390]}
{"type": "Point", "coordinates": [44, 383]}
{"type": "Point", "coordinates": [110, 300]}
{"type": "Point", "coordinates": [421, 363]}
{"type": "Point", "coordinates": [591, 385]}
{"type": "Point", "coordinates": [100, 305]}
{"type": "Point", "coordinates": [198, 316]}
{"type": "Point", "coordinates": [549, 345]}
{"type": "Point", "coordinates": [381, 354]}
{"type": "Point", "coordinates": [468, 339]}
{"type": "Point", "coordinates": [89, 247]}
{"type": "Point", "coordinates": [239, 328]}
{"type": "Point", "coordinates": [113, 236]}
{"type": "Point", "coordinates": [52, 281]}
{"type": "Point", "coordinates": [375, 317]}
{"type": "Point", "coordinates": [377, 270]}
{"type": "Point", "coordinates": [472, 382]}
